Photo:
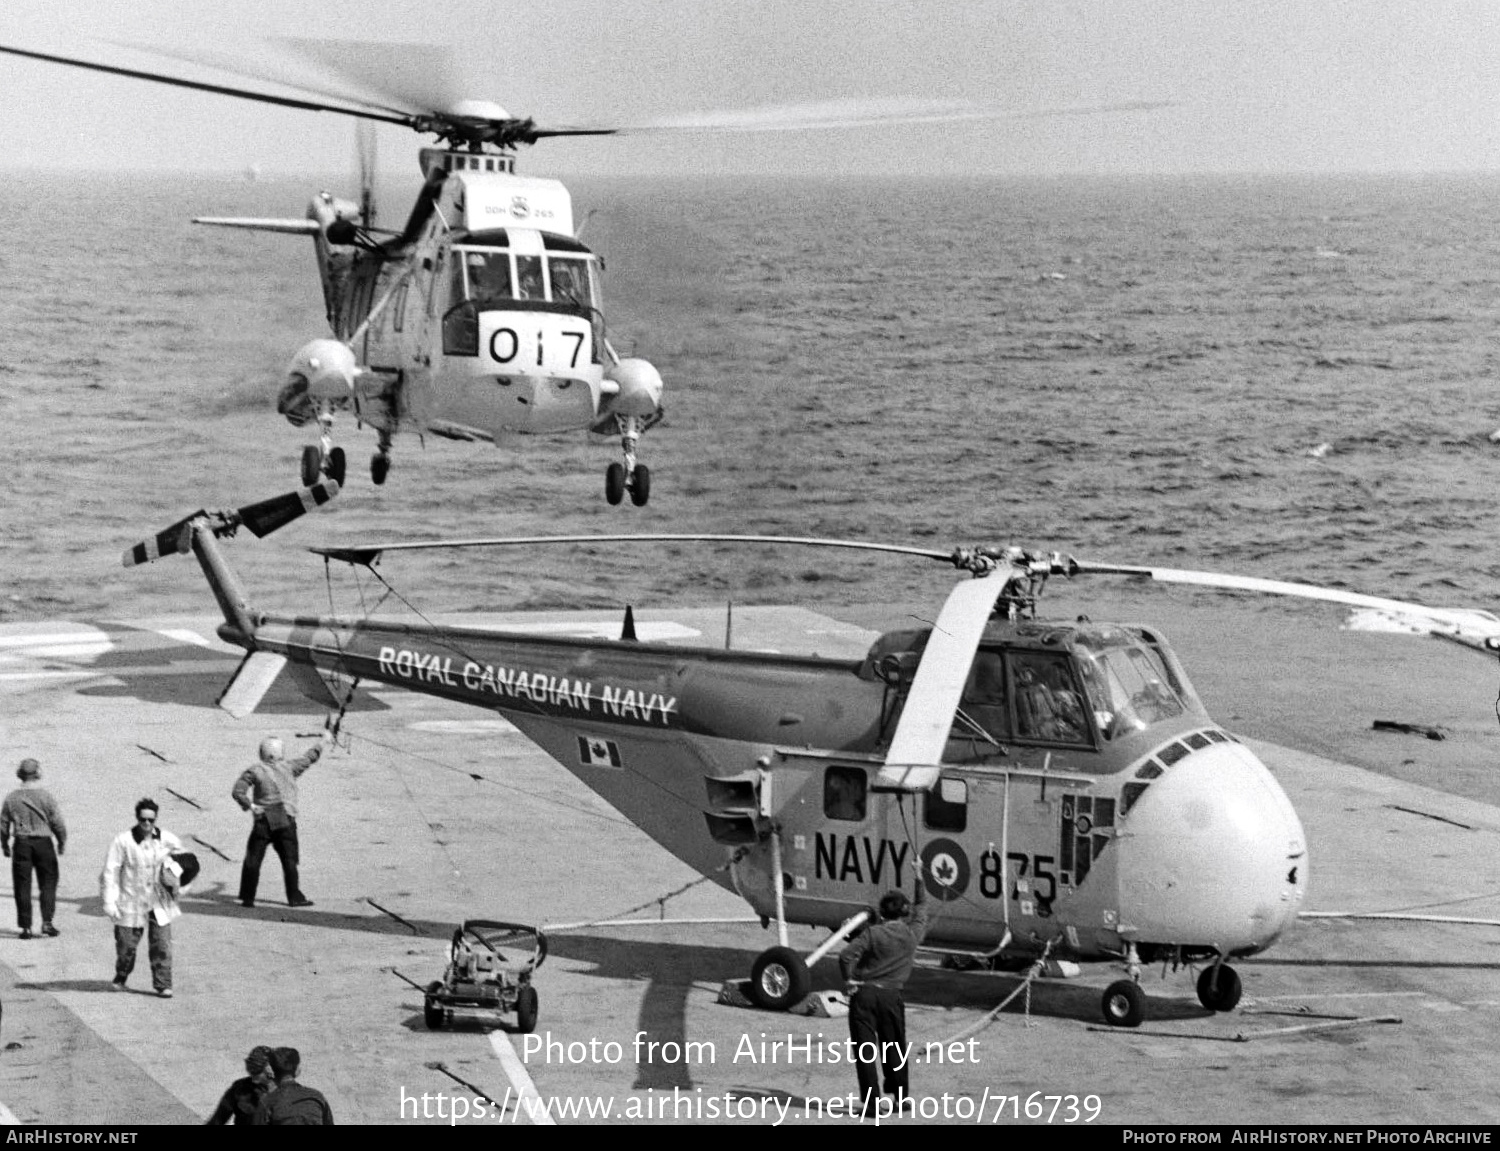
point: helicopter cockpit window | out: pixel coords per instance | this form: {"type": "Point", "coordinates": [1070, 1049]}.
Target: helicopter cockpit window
{"type": "Point", "coordinates": [983, 703]}
{"type": "Point", "coordinates": [947, 806]}
{"type": "Point", "coordinates": [1128, 685]}
{"type": "Point", "coordinates": [489, 275]}
{"type": "Point", "coordinates": [844, 790]}
{"type": "Point", "coordinates": [570, 281]}
{"type": "Point", "coordinates": [529, 278]}
{"type": "Point", "coordinates": [460, 323]}
{"type": "Point", "coordinates": [1049, 705]}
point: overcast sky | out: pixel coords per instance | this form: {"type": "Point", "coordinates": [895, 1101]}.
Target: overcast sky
{"type": "Point", "coordinates": [1259, 85]}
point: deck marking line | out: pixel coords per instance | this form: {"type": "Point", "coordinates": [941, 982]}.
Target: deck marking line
{"type": "Point", "coordinates": [515, 1071]}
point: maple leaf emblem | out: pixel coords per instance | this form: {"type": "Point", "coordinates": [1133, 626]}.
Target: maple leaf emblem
{"type": "Point", "coordinates": [944, 870]}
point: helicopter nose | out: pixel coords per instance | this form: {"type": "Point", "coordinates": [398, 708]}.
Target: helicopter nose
{"type": "Point", "coordinates": [1212, 854]}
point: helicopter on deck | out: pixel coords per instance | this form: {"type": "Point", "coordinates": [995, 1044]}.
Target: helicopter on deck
{"type": "Point", "coordinates": [1057, 785]}
{"type": "Point", "coordinates": [481, 317]}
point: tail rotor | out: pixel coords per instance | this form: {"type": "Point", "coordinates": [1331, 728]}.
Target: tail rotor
{"type": "Point", "coordinates": [261, 518]}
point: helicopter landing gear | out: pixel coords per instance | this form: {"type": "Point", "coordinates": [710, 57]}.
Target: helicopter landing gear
{"type": "Point", "coordinates": [629, 476]}
{"type": "Point", "coordinates": [380, 462]}
{"type": "Point", "coordinates": [1219, 987]}
{"type": "Point", "coordinates": [316, 465]}
{"type": "Point", "coordinates": [779, 978]}
{"type": "Point", "coordinates": [1124, 1003]}
{"type": "Point", "coordinates": [312, 465]}
{"type": "Point", "coordinates": [322, 458]}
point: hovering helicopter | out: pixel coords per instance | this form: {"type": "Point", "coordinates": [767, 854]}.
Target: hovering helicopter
{"type": "Point", "coordinates": [481, 317]}
{"type": "Point", "coordinates": [1057, 785]}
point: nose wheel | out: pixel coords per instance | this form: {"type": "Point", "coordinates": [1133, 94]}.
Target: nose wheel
{"type": "Point", "coordinates": [315, 465]}
{"type": "Point", "coordinates": [617, 481]}
{"type": "Point", "coordinates": [629, 476]}
{"type": "Point", "coordinates": [322, 458]}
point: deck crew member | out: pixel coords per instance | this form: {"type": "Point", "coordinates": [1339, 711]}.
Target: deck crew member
{"type": "Point", "coordinates": [268, 791]}
{"type": "Point", "coordinates": [29, 821]}
{"type": "Point", "coordinates": [876, 965]}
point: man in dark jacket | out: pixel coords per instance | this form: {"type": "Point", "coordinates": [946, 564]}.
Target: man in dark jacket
{"type": "Point", "coordinates": [29, 821]}
{"type": "Point", "coordinates": [291, 1104]}
{"type": "Point", "coordinates": [876, 965]}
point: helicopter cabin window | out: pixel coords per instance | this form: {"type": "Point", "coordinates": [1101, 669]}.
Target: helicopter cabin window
{"type": "Point", "coordinates": [529, 278]}
{"type": "Point", "coordinates": [983, 710]}
{"type": "Point", "coordinates": [844, 793]}
{"type": "Point", "coordinates": [570, 281]}
{"type": "Point", "coordinates": [947, 806]}
{"type": "Point", "coordinates": [488, 274]}
{"type": "Point", "coordinates": [398, 306]}
{"type": "Point", "coordinates": [1048, 701]}
{"type": "Point", "coordinates": [1128, 684]}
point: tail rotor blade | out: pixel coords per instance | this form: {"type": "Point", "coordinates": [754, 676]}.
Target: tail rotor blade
{"type": "Point", "coordinates": [265, 517]}
{"type": "Point", "coordinates": [172, 541]}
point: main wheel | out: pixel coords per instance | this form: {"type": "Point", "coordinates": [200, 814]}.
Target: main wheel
{"type": "Point", "coordinates": [1124, 1004]}
{"type": "Point", "coordinates": [380, 467]}
{"type": "Point", "coordinates": [640, 488]}
{"type": "Point", "coordinates": [779, 978]}
{"type": "Point", "coordinates": [312, 465]}
{"type": "Point", "coordinates": [336, 466]}
{"type": "Point", "coordinates": [614, 483]}
{"type": "Point", "coordinates": [432, 1011]}
{"type": "Point", "coordinates": [1222, 994]}
{"type": "Point", "coordinates": [527, 1007]}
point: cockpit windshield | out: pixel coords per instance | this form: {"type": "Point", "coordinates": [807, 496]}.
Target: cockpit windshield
{"type": "Point", "coordinates": [1130, 686]}
{"type": "Point", "coordinates": [492, 274]}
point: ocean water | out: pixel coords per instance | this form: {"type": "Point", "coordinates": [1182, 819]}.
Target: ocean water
{"type": "Point", "coordinates": [1291, 378]}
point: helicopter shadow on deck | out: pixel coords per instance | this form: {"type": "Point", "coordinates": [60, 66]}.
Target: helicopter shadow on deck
{"type": "Point", "coordinates": [155, 669]}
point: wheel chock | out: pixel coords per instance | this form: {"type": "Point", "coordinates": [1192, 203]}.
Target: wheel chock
{"type": "Point", "coordinates": [818, 1005]}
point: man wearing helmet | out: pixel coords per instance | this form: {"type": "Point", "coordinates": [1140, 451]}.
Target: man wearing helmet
{"type": "Point", "coordinates": [268, 791]}
{"type": "Point", "coordinates": [876, 965]}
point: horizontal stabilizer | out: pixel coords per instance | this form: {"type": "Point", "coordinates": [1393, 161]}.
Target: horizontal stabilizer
{"type": "Point", "coordinates": [256, 673]}
{"type": "Point", "coordinates": [172, 541]}
{"type": "Point", "coordinates": [291, 227]}
{"type": "Point", "coordinates": [265, 517]}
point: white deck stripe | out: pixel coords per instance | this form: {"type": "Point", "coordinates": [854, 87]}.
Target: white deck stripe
{"type": "Point", "coordinates": [515, 1071]}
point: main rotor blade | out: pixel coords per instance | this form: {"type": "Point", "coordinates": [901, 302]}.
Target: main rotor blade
{"type": "Point", "coordinates": [198, 86]}
{"type": "Point", "coordinates": [368, 553]}
{"type": "Point", "coordinates": [1467, 625]}
{"type": "Point", "coordinates": [856, 113]}
{"type": "Point", "coordinates": [287, 72]}
{"type": "Point", "coordinates": [412, 75]}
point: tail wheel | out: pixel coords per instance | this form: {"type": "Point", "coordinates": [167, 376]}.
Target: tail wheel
{"type": "Point", "coordinates": [1124, 1004]}
{"type": "Point", "coordinates": [527, 1007]}
{"type": "Point", "coordinates": [640, 486]}
{"type": "Point", "coordinates": [1223, 993]}
{"type": "Point", "coordinates": [312, 465]}
{"type": "Point", "coordinates": [380, 467]}
{"type": "Point", "coordinates": [336, 466]}
{"type": "Point", "coordinates": [779, 979]}
{"type": "Point", "coordinates": [614, 483]}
